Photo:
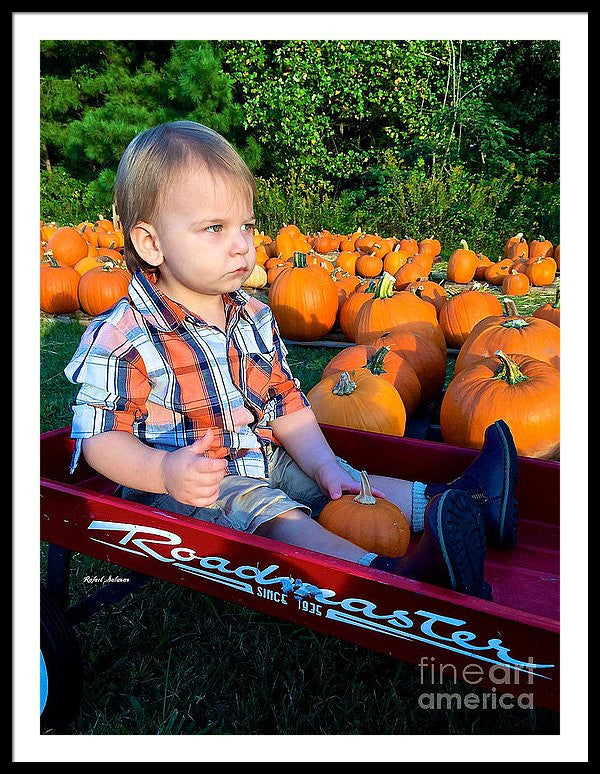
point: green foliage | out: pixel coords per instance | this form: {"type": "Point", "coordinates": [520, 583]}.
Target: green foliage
{"type": "Point", "coordinates": [459, 139]}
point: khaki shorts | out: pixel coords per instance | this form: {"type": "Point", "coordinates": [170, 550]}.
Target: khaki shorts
{"type": "Point", "coordinates": [245, 503]}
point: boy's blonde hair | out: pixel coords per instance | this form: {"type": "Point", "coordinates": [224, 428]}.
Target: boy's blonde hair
{"type": "Point", "coordinates": [154, 159]}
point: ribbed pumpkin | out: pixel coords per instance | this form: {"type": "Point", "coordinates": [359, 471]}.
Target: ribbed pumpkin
{"type": "Point", "coordinates": [430, 246]}
{"type": "Point", "coordinates": [58, 288]}
{"type": "Point", "coordinates": [541, 271]}
{"type": "Point", "coordinates": [482, 263]}
{"type": "Point", "coordinates": [390, 310]}
{"type": "Point", "coordinates": [410, 272]}
{"type": "Point", "coordinates": [462, 312]}
{"type": "Point", "coordinates": [518, 248]}
{"type": "Point", "coordinates": [364, 242]}
{"type": "Point", "coordinates": [325, 242]}
{"type": "Point", "coordinates": [67, 245]}
{"type": "Point", "coordinates": [304, 301]}
{"type": "Point", "coordinates": [345, 284]}
{"type": "Point", "coordinates": [350, 307]}
{"type": "Point", "coordinates": [101, 288]}
{"type": "Point", "coordinates": [382, 362]}
{"type": "Point", "coordinates": [346, 260]}
{"type": "Point", "coordinates": [515, 284]}
{"type": "Point", "coordinates": [372, 523]}
{"type": "Point", "coordinates": [540, 248]}
{"type": "Point", "coordinates": [427, 359]}
{"type": "Point", "coordinates": [395, 260]}
{"type": "Point", "coordinates": [319, 260]}
{"type": "Point", "coordinates": [550, 312]}
{"type": "Point", "coordinates": [288, 243]}
{"type": "Point", "coordinates": [462, 264]}
{"type": "Point", "coordinates": [429, 291]}
{"type": "Point", "coordinates": [348, 242]}
{"type": "Point", "coordinates": [360, 401]}
{"type": "Point", "coordinates": [257, 278]}
{"type": "Point", "coordinates": [513, 334]}
{"type": "Point", "coordinates": [409, 244]}
{"type": "Point", "coordinates": [496, 272]}
{"type": "Point", "coordinates": [369, 265]}
{"type": "Point", "coordinates": [519, 389]}
{"type": "Point", "coordinates": [517, 239]}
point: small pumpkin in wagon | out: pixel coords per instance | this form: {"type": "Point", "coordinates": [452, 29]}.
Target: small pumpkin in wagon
{"type": "Point", "coordinates": [370, 522]}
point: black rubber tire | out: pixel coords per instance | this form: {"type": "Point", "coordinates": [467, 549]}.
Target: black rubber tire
{"type": "Point", "coordinates": [62, 658]}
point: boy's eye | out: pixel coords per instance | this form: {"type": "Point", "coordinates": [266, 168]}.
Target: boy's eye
{"type": "Point", "coordinates": [216, 226]}
{"type": "Point", "coordinates": [250, 227]}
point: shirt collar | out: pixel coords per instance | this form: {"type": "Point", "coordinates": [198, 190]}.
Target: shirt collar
{"type": "Point", "coordinates": [161, 311]}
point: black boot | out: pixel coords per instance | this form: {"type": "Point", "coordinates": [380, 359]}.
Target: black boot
{"type": "Point", "coordinates": [451, 551]}
{"type": "Point", "coordinates": [491, 480]}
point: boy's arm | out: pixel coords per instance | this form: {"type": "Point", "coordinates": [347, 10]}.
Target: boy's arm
{"type": "Point", "coordinates": [186, 474]}
{"type": "Point", "coordinates": [300, 435]}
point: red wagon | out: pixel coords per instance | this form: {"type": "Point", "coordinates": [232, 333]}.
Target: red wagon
{"type": "Point", "coordinates": [512, 643]}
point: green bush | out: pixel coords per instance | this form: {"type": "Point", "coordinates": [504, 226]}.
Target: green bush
{"type": "Point", "coordinates": [69, 201]}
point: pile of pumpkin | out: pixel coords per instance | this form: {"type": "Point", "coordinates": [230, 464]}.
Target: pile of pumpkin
{"type": "Point", "coordinates": [82, 267]}
{"type": "Point", "coordinates": [401, 331]}
{"type": "Point", "coordinates": [525, 264]}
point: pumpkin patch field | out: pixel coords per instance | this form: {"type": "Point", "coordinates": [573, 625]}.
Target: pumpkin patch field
{"type": "Point", "coordinates": [399, 333]}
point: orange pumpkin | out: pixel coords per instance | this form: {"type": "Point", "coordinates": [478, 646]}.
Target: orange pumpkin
{"type": "Point", "coordinates": [345, 284]}
{"type": "Point", "coordinates": [541, 271]}
{"type": "Point", "coordinates": [369, 265]}
{"type": "Point", "coordinates": [410, 245]}
{"type": "Point", "coordinates": [540, 248]}
{"type": "Point", "coordinates": [427, 359]}
{"type": "Point", "coordinates": [304, 300]}
{"type": "Point", "coordinates": [515, 284]}
{"type": "Point", "coordinates": [496, 272]}
{"type": "Point", "coordinates": [462, 312]}
{"type": "Point", "coordinates": [550, 312]}
{"type": "Point", "coordinates": [512, 333]}
{"type": "Point", "coordinates": [67, 245]}
{"type": "Point", "coordinates": [346, 260]}
{"type": "Point", "coordinates": [517, 248]}
{"type": "Point", "coordinates": [388, 310]}
{"type": "Point", "coordinates": [381, 362]}
{"type": "Point", "coordinates": [462, 264]}
{"type": "Point", "coordinates": [482, 263]}
{"type": "Point", "coordinates": [325, 242]}
{"type": "Point", "coordinates": [58, 288]}
{"type": "Point", "coordinates": [430, 246]}
{"type": "Point", "coordinates": [372, 523]}
{"type": "Point", "coordinates": [410, 272]}
{"type": "Point", "coordinates": [519, 389]}
{"type": "Point", "coordinates": [101, 288]}
{"type": "Point", "coordinates": [358, 400]}
{"type": "Point", "coordinates": [395, 260]}
{"type": "Point", "coordinates": [351, 306]}
{"type": "Point", "coordinates": [429, 291]}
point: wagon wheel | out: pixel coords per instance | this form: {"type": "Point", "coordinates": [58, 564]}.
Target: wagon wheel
{"type": "Point", "coordinates": [60, 666]}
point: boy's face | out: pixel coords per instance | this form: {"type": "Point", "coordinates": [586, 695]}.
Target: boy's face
{"type": "Point", "coordinates": [202, 240]}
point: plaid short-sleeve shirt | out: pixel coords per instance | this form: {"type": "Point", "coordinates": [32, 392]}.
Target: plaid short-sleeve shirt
{"type": "Point", "coordinates": [150, 367]}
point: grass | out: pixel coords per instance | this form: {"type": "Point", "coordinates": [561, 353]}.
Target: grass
{"type": "Point", "coordinates": [168, 660]}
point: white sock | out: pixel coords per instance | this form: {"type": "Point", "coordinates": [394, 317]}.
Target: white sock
{"type": "Point", "coordinates": [419, 503]}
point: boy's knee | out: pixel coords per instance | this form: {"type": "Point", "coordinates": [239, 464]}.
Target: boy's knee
{"type": "Point", "coordinates": [282, 521]}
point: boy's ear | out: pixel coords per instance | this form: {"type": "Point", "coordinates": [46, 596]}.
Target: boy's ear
{"type": "Point", "coordinates": [146, 242]}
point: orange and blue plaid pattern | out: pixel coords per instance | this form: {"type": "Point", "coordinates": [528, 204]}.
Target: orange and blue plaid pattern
{"type": "Point", "coordinates": [150, 367]}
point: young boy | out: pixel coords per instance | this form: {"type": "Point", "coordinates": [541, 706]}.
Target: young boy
{"type": "Point", "coordinates": [187, 400]}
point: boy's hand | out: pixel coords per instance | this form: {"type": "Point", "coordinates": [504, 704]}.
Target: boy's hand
{"type": "Point", "coordinates": [334, 480]}
{"type": "Point", "coordinates": [190, 476]}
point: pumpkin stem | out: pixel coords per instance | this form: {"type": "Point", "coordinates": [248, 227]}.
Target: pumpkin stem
{"type": "Point", "coordinates": [375, 362]}
{"type": "Point", "coordinates": [345, 385]}
{"type": "Point", "coordinates": [51, 259]}
{"type": "Point", "coordinates": [480, 286]}
{"type": "Point", "coordinates": [510, 308]}
{"type": "Point", "coordinates": [464, 244]}
{"type": "Point", "coordinates": [299, 260]}
{"type": "Point", "coordinates": [385, 286]}
{"type": "Point", "coordinates": [365, 496]}
{"type": "Point", "coordinates": [508, 370]}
